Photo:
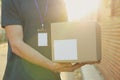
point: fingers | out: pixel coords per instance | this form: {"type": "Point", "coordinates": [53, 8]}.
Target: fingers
{"type": "Point", "coordinates": [59, 67]}
{"type": "Point", "coordinates": [78, 65]}
{"type": "Point", "coordinates": [62, 65]}
{"type": "Point", "coordinates": [67, 67]}
{"type": "Point", "coordinates": [66, 64]}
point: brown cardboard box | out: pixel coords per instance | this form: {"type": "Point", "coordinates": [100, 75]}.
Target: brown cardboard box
{"type": "Point", "coordinates": [76, 42]}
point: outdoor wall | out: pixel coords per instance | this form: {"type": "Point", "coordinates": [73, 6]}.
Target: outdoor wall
{"type": "Point", "coordinates": [109, 20]}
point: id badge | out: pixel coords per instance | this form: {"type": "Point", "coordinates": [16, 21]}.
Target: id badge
{"type": "Point", "coordinates": [43, 39]}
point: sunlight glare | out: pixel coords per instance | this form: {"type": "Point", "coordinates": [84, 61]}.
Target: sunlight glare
{"type": "Point", "coordinates": [77, 9]}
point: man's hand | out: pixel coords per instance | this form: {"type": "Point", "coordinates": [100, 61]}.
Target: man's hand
{"type": "Point", "coordinates": [66, 67]}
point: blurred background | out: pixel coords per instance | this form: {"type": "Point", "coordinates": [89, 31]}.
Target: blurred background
{"type": "Point", "coordinates": [3, 49]}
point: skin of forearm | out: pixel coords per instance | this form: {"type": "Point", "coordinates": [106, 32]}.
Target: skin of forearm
{"type": "Point", "coordinates": [28, 53]}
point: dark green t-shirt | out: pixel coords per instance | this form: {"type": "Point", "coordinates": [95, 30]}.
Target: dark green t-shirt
{"type": "Point", "coordinates": [25, 13]}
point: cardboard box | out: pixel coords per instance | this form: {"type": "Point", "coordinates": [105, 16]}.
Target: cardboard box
{"type": "Point", "coordinates": [76, 42]}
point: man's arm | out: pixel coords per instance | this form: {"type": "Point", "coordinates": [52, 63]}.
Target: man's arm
{"type": "Point", "coordinates": [15, 36]}
{"type": "Point", "coordinates": [20, 48]}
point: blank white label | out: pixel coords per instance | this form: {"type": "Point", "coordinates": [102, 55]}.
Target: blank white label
{"type": "Point", "coordinates": [65, 49]}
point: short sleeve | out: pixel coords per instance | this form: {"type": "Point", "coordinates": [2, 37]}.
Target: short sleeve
{"type": "Point", "coordinates": [10, 15]}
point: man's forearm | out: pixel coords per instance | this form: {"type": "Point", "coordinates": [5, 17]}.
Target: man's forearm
{"type": "Point", "coordinates": [28, 53]}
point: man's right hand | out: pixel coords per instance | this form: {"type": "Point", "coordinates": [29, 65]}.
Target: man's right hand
{"type": "Point", "coordinates": [65, 67]}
